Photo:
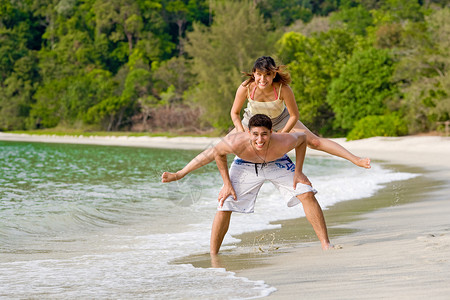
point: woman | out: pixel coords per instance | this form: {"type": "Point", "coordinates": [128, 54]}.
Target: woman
{"type": "Point", "coordinates": [267, 92]}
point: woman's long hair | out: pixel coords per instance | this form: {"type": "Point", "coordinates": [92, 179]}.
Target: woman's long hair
{"type": "Point", "coordinates": [267, 64]}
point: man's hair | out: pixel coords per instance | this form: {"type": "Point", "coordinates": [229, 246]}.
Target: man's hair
{"type": "Point", "coordinates": [260, 120]}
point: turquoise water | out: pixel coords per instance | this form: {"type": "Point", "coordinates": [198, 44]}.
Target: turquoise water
{"type": "Point", "coordinates": [89, 221]}
{"type": "Point", "coordinates": [49, 188]}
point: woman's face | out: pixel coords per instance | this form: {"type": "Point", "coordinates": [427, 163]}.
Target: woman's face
{"type": "Point", "coordinates": [264, 79]}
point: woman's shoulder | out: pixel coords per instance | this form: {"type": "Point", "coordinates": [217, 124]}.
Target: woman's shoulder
{"type": "Point", "coordinates": [243, 89]}
{"type": "Point", "coordinates": [279, 85]}
{"type": "Point", "coordinates": [283, 86]}
{"type": "Point", "coordinates": [247, 85]}
{"type": "Point", "coordinates": [285, 89]}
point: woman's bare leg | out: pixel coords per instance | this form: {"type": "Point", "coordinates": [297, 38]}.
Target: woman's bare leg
{"type": "Point", "coordinates": [333, 148]}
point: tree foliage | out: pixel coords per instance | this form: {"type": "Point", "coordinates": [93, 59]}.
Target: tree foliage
{"type": "Point", "coordinates": [362, 87]}
{"type": "Point", "coordinates": [355, 19]}
{"type": "Point", "coordinates": [135, 64]}
{"type": "Point", "coordinates": [313, 63]}
{"type": "Point", "coordinates": [425, 74]}
{"type": "Point", "coordinates": [221, 52]}
{"type": "Point", "coordinates": [379, 125]}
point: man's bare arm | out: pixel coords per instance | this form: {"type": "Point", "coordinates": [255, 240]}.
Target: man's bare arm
{"type": "Point", "coordinates": [227, 189]}
{"type": "Point", "coordinates": [199, 161]}
{"type": "Point", "coordinates": [204, 158]}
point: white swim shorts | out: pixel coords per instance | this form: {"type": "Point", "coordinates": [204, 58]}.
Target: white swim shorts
{"type": "Point", "coordinates": [247, 179]}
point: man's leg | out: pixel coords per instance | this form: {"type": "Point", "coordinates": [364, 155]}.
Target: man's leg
{"type": "Point", "coordinates": [218, 230]}
{"type": "Point", "coordinates": [314, 214]}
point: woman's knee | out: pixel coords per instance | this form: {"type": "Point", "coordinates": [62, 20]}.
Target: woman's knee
{"type": "Point", "coordinates": [313, 142]}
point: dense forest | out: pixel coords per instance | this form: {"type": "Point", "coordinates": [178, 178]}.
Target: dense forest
{"type": "Point", "coordinates": [359, 68]}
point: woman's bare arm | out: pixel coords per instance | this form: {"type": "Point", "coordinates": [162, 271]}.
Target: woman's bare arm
{"type": "Point", "coordinates": [289, 99]}
{"type": "Point", "coordinates": [239, 100]}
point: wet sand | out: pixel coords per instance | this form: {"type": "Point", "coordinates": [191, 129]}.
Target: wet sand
{"type": "Point", "coordinates": [255, 247]}
{"type": "Point", "coordinates": [401, 251]}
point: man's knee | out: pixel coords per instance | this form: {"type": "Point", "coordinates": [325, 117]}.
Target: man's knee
{"type": "Point", "coordinates": [223, 217]}
{"type": "Point", "coordinates": [223, 214]}
{"type": "Point", "coordinates": [307, 198]}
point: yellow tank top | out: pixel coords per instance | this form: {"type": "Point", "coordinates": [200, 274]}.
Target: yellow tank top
{"type": "Point", "coordinates": [271, 108]}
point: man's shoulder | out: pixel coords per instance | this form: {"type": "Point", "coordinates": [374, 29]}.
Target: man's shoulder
{"type": "Point", "coordinates": [235, 140]}
{"type": "Point", "coordinates": [286, 139]}
{"type": "Point", "coordinates": [286, 136]}
{"type": "Point", "coordinates": [236, 137]}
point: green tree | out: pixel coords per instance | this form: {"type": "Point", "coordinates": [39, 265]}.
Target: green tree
{"type": "Point", "coordinates": [67, 61]}
{"type": "Point", "coordinates": [116, 108]}
{"type": "Point", "coordinates": [16, 94]}
{"type": "Point", "coordinates": [19, 40]}
{"type": "Point", "coordinates": [119, 19]}
{"type": "Point", "coordinates": [96, 39]}
{"type": "Point", "coordinates": [356, 19]}
{"type": "Point", "coordinates": [401, 10]}
{"type": "Point", "coordinates": [182, 13]}
{"type": "Point", "coordinates": [362, 88]}
{"type": "Point", "coordinates": [174, 72]}
{"type": "Point", "coordinates": [12, 47]}
{"type": "Point", "coordinates": [131, 29]}
{"type": "Point", "coordinates": [237, 36]}
{"type": "Point", "coordinates": [68, 42]}
{"type": "Point", "coordinates": [385, 125]}
{"type": "Point", "coordinates": [284, 12]}
{"type": "Point", "coordinates": [313, 62]}
{"type": "Point", "coordinates": [425, 74]}
{"type": "Point", "coordinates": [47, 111]}
{"type": "Point", "coordinates": [107, 63]}
{"type": "Point", "coordinates": [66, 102]}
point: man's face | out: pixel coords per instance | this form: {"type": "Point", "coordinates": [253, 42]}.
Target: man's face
{"type": "Point", "coordinates": [259, 137]}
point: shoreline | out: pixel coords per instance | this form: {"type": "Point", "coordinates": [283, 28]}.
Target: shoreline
{"type": "Point", "coordinates": [417, 148]}
{"type": "Point", "coordinates": [395, 252]}
{"type": "Point", "coordinates": [187, 143]}
{"type": "Point", "coordinates": [258, 248]}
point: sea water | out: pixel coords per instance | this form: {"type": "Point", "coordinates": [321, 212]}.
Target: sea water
{"type": "Point", "coordinates": [83, 221]}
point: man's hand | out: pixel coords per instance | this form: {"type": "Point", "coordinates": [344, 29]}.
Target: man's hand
{"type": "Point", "coordinates": [168, 177]}
{"type": "Point", "coordinates": [226, 191]}
{"type": "Point", "coordinates": [299, 177]}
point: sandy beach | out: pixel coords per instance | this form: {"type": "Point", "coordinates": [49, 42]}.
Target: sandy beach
{"type": "Point", "coordinates": [396, 252]}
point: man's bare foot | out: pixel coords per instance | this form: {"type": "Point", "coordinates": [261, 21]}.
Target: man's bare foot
{"type": "Point", "coordinates": [168, 177]}
{"type": "Point", "coordinates": [331, 246]}
{"type": "Point", "coordinates": [216, 262]}
{"type": "Point", "coordinates": [363, 162]}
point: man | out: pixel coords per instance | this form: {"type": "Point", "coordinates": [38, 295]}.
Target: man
{"type": "Point", "coordinates": [261, 156]}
